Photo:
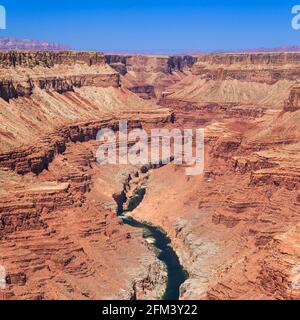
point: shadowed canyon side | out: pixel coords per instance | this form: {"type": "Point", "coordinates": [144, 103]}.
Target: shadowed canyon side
{"type": "Point", "coordinates": [150, 76]}
{"type": "Point", "coordinates": [235, 228]}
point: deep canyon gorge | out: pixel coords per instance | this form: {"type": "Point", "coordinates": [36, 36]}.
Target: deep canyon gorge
{"type": "Point", "coordinates": [235, 228]}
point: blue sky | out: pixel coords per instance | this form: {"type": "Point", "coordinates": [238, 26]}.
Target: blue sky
{"type": "Point", "coordinates": [156, 25]}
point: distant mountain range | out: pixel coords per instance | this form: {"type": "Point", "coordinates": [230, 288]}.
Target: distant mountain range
{"type": "Point", "coordinates": [199, 52]}
{"type": "Point", "coordinates": [26, 44]}
{"type": "Point", "coordinates": [278, 49]}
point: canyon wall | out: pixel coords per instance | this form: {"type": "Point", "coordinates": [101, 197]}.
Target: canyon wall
{"type": "Point", "coordinates": [236, 226]}
{"type": "Point", "coordinates": [57, 88]}
{"type": "Point", "coordinates": [77, 69]}
{"type": "Point", "coordinates": [263, 67]}
{"type": "Point", "coordinates": [149, 76]}
{"type": "Point", "coordinates": [235, 85]}
{"type": "Point", "coordinates": [60, 236]}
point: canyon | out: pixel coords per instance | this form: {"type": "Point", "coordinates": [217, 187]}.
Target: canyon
{"type": "Point", "coordinates": [235, 228]}
{"type": "Point", "coordinates": [150, 76]}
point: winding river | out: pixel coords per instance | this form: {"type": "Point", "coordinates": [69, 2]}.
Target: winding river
{"type": "Point", "coordinates": [176, 273]}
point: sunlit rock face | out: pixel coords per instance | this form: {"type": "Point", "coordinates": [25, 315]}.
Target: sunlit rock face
{"type": "Point", "coordinates": [58, 224]}
{"type": "Point", "coordinates": [150, 76]}
{"type": "Point", "coordinates": [236, 226]}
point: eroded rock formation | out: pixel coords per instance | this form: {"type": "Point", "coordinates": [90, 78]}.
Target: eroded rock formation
{"type": "Point", "coordinates": [60, 236]}
{"type": "Point", "coordinates": [235, 227]}
{"type": "Point", "coordinates": [149, 76]}
{"type": "Point", "coordinates": [293, 103]}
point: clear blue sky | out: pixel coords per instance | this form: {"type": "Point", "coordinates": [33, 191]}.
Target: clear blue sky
{"type": "Point", "coordinates": [156, 25]}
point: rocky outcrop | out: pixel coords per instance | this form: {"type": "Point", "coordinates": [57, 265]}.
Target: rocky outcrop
{"type": "Point", "coordinates": [230, 110]}
{"type": "Point", "coordinates": [59, 233]}
{"type": "Point", "coordinates": [181, 63]}
{"type": "Point", "coordinates": [117, 62]}
{"type": "Point", "coordinates": [235, 84]}
{"type": "Point", "coordinates": [77, 70]}
{"type": "Point", "coordinates": [67, 226]}
{"type": "Point", "coordinates": [37, 158]}
{"type": "Point", "coordinates": [10, 90]}
{"type": "Point", "coordinates": [165, 64]}
{"type": "Point", "coordinates": [255, 67]}
{"type": "Point", "coordinates": [145, 92]}
{"type": "Point", "coordinates": [149, 76]}
{"type": "Point", "coordinates": [153, 286]}
{"type": "Point", "coordinates": [55, 90]}
{"type": "Point", "coordinates": [293, 103]}
{"type": "Point", "coordinates": [61, 243]}
{"type": "Point", "coordinates": [31, 59]}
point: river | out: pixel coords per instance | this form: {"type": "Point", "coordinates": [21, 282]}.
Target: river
{"type": "Point", "coordinates": [160, 240]}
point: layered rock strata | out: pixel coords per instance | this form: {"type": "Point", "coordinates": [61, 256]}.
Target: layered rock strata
{"type": "Point", "coordinates": [60, 236]}
{"type": "Point", "coordinates": [235, 227]}
{"type": "Point", "coordinates": [149, 76]}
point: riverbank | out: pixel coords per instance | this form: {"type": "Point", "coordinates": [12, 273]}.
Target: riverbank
{"type": "Point", "coordinates": [155, 236]}
{"type": "Point", "coordinates": [165, 253]}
